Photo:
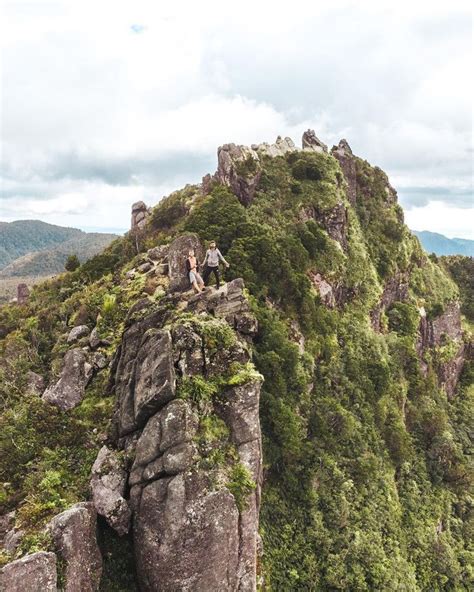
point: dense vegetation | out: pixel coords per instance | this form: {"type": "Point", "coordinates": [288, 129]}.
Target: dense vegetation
{"type": "Point", "coordinates": [366, 460]}
{"type": "Point", "coordinates": [461, 270]}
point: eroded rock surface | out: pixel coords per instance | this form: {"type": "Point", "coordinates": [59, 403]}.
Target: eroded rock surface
{"type": "Point", "coordinates": [74, 534]}
{"type": "Point", "coordinates": [69, 390]}
{"type": "Point", "coordinates": [312, 143]}
{"type": "Point", "coordinates": [108, 486]}
{"type": "Point", "coordinates": [140, 212]}
{"type": "Point", "coordinates": [239, 168]}
{"type": "Point", "coordinates": [438, 332]}
{"type": "Point", "coordinates": [189, 531]}
{"type": "Point", "coordinates": [343, 153]}
{"type": "Point", "coordinates": [77, 332]}
{"type": "Point", "coordinates": [177, 255]}
{"type": "Point", "coordinates": [395, 290]}
{"type": "Point", "coordinates": [32, 573]}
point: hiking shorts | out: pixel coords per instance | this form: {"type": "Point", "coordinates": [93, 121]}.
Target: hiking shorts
{"type": "Point", "coordinates": [194, 276]}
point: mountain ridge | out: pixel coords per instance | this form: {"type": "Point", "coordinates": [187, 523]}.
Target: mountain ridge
{"type": "Point", "coordinates": [364, 408]}
{"type": "Point", "coordinates": [22, 237]}
{"type": "Point", "coordinates": [439, 244]}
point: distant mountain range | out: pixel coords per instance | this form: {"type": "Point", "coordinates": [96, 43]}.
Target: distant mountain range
{"type": "Point", "coordinates": [31, 248]}
{"type": "Point", "coordinates": [433, 242]}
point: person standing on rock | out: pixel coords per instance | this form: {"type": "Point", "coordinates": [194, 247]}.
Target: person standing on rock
{"type": "Point", "coordinates": [211, 263]}
{"type": "Point", "coordinates": [195, 278]}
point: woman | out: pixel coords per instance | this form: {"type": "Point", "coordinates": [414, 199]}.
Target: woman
{"type": "Point", "coordinates": [192, 268]}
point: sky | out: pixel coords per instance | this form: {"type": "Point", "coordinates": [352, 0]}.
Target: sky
{"type": "Point", "coordinates": [104, 103]}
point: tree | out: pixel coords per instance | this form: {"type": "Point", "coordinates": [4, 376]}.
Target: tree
{"type": "Point", "coordinates": [72, 263]}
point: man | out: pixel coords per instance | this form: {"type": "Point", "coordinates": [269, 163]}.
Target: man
{"type": "Point", "coordinates": [195, 278]}
{"type": "Point", "coordinates": [211, 264]}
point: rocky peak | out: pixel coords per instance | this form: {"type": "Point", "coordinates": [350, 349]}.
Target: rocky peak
{"type": "Point", "coordinates": [342, 149]}
{"type": "Point", "coordinates": [311, 142]}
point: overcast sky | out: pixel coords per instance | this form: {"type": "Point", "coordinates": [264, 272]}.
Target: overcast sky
{"type": "Point", "coordinates": [105, 102]}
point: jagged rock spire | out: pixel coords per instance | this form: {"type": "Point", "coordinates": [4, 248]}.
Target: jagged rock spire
{"type": "Point", "coordinates": [140, 213]}
{"type": "Point", "coordinates": [311, 142]}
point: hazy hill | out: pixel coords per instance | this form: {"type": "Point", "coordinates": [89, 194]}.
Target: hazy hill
{"type": "Point", "coordinates": [433, 242]}
{"type": "Point", "coordinates": [51, 261]}
{"type": "Point", "coordinates": [24, 236]}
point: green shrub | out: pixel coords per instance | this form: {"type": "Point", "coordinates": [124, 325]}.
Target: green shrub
{"type": "Point", "coordinates": [403, 318]}
{"type": "Point", "coordinates": [241, 485]}
{"type": "Point", "coordinates": [72, 263]}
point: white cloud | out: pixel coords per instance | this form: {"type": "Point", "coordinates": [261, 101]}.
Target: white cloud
{"type": "Point", "coordinates": [438, 217]}
{"type": "Point", "coordinates": [108, 101]}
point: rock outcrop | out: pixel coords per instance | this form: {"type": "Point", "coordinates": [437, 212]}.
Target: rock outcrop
{"type": "Point", "coordinates": [77, 332]}
{"type": "Point", "coordinates": [108, 486]}
{"type": "Point", "coordinates": [324, 288]}
{"type": "Point", "coordinates": [177, 255]}
{"type": "Point", "coordinates": [312, 143]}
{"type": "Point", "coordinates": [395, 290]}
{"type": "Point", "coordinates": [239, 168]}
{"type": "Point", "coordinates": [191, 529]}
{"type": "Point", "coordinates": [334, 220]}
{"type": "Point", "coordinates": [442, 331]}
{"type": "Point", "coordinates": [22, 293]}
{"type": "Point", "coordinates": [74, 534]}
{"type": "Point", "coordinates": [140, 213]}
{"type": "Point", "coordinates": [343, 153]}
{"type": "Point", "coordinates": [69, 390]}
{"type": "Point", "coordinates": [32, 573]}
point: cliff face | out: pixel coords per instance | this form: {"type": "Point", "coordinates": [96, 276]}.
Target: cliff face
{"type": "Point", "coordinates": [336, 343]}
{"type": "Point", "coordinates": [189, 447]}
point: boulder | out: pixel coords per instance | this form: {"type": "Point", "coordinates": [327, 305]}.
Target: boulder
{"type": "Point", "coordinates": [145, 267]}
{"type": "Point", "coordinates": [74, 535]}
{"type": "Point", "coordinates": [158, 253]}
{"type": "Point", "coordinates": [108, 485]}
{"type": "Point", "coordinates": [312, 143]}
{"type": "Point", "coordinates": [140, 213]}
{"type": "Point", "coordinates": [13, 539]}
{"type": "Point", "coordinates": [7, 523]}
{"type": "Point", "coordinates": [69, 391]}
{"type": "Point", "coordinates": [32, 573]}
{"type": "Point", "coordinates": [94, 340]}
{"type": "Point", "coordinates": [77, 332]}
{"type": "Point", "coordinates": [177, 255]}
{"type": "Point", "coordinates": [34, 383]}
